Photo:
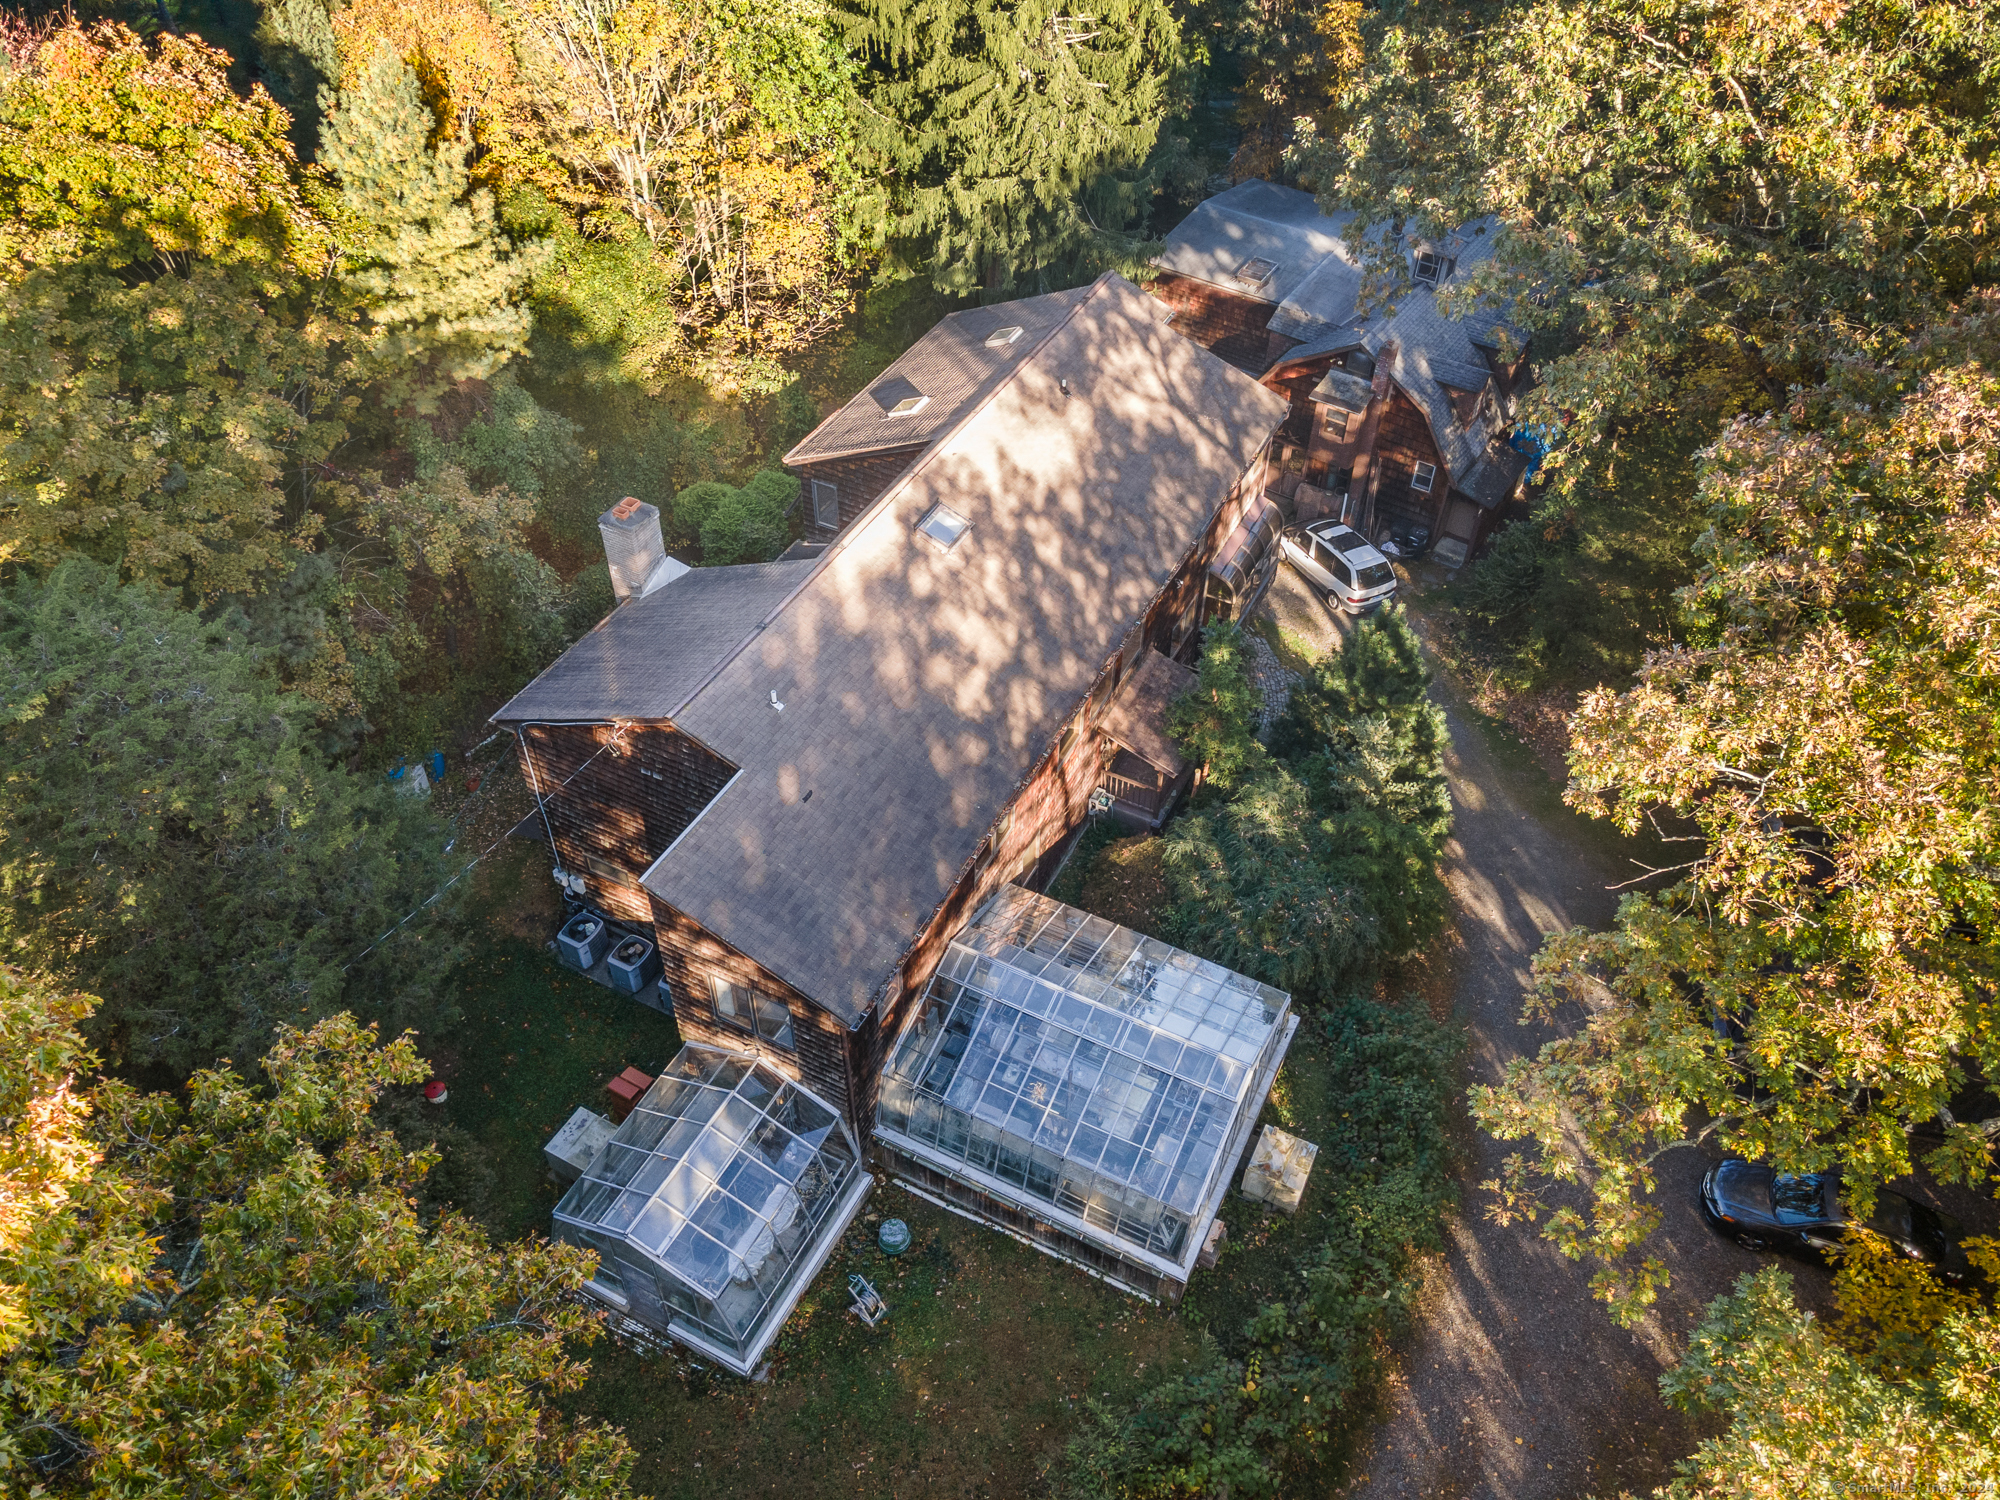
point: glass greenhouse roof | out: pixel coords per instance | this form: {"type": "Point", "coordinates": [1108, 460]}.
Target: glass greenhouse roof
{"type": "Point", "coordinates": [1087, 1066]}
{"type": "Point", "coordinates": [710, 1193]}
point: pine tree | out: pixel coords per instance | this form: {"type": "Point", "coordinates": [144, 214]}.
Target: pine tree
{"type": "Point", "coordinates": [994, 120]}
{"type": "Point", "coordinates": [438, 285]}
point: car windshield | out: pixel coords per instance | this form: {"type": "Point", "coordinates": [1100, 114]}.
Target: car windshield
{"type": "Point", "coordinates": [1375, 575]}
{"type": "Point", "coordinates": [1797, 1200]}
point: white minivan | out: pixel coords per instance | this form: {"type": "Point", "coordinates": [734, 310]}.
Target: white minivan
{"type": "Point", "coordinates": [1337, 559]}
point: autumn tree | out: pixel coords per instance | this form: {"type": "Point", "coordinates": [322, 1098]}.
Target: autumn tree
{"type": "Point", "coordinates": [722, 128]}
{"type": "Point", "coordinates": [990, 121]}
{"type": "Point", "coordinates": [234, 1294]}
{"type": "Point", "coordinates": [1697, 202]}
{"type": "Point", "coordinates": [1817, 978]}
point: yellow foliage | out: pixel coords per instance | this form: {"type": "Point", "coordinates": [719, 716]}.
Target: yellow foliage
{"type": "Point", "coordinates": [1888, 1301]}
{"type": "Point", "coordinates": [460, 56]}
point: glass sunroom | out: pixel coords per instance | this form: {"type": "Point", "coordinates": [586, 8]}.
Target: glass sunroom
{"type": "Point", "coordinates": [715, 1203]}
{"type": "Point", "coordinates": [1082, 1086]}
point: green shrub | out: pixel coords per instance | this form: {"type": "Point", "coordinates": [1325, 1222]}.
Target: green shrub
{"type": "Point", "coordinates": [747, 524]}
{"type": "Point", "coordinates": [1215, 721]}
{"type": "Point", "coordinates": [1275, 1393]}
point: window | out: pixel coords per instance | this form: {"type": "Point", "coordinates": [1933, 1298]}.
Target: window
{"type": "Point", "coordinates": [1336, 423]}
{"type": "Point", "coordinates": [944, 526]}
{"type": "Point", "coordinates": [732, 1003]}
{"type": "Point", "coordinates": [1427, 267]}
{"type": "Point", "coordinates": [1000, 338]}
{"type": "Point", "coordinates": [897, 397]}
{"type": "Point", "coordinates": [753, 1011]}
{"type": "Point", "coordinates": [1256, 271]}
{"type": "Point", "coordinates": [1421, 479]}
{"type": "Point", "coordinates": [826, 504]}
{"type": "Point", "coordinates": [909, 406]}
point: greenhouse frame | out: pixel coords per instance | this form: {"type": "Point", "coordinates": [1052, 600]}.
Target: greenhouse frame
{"type": "Point", "coordinates": [715, 1203]}
{"type": "Point", "coordinates": [1082, 1086]}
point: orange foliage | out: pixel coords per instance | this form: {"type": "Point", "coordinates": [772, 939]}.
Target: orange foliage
{"type": "Point", "coordinates": [462, 60]}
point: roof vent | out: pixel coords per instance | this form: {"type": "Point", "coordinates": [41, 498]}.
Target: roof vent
{"type": "Point", "coordinates": [1256, 271]}
{"type": "Point", "coordinates": [1000, 338]}
{"type": "Point", "coordinates": [944, 526]}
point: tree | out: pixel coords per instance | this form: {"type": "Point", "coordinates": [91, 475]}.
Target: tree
{"type": "Point", "coordinates": [170, 838]}
{"type": "Point", "coordinates": [1809, 1418]}
{"type": "Point", "coordinates": [290, 1325]}
{"type": "Point", "coordinates": [1692, 197]}
{"type": "Point", "coordinates": [1215, 721]}
{"type": "Point", "coordinates": [436, 285]}
{"type": "Point", "coordinates": [1324, 857]}
{"type": "Point", "coordinates": [158, 372]}
{"type": "Point", "coordinates": [746, 524]}
{"type": "Point", "coordinates": [723, 128]}
{"type": "Point", "coordinates": [1818, 978]}
{"type": "Point", "coordinates": [990, 120]}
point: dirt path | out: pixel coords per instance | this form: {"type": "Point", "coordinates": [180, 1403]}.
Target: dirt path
{"type": "Point", "coordinates": [1517, 1385]}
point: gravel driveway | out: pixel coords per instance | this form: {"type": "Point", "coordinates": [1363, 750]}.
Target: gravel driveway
{"type": "Point", "coordinates": [1517, 1385]}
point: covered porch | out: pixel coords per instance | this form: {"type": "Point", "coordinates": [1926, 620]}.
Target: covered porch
{"type": "Point", "coordinates": [1146, 773]}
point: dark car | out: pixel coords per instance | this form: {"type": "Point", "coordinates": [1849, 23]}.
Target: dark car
{"type": "Point", "coordinates": [1763, 1209]}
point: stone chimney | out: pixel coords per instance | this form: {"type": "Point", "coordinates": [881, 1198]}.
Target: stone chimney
{"type": "Point", "coordinates": [635, 549]}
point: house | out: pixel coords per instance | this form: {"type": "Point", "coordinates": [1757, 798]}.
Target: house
{"type": "Point", "coordinates": [1400, 414]}
{"type": "Point", "coordinates": [809, 778]}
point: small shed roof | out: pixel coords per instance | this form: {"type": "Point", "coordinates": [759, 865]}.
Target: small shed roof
{"type": "Point", "coordinates": [1137, 714]}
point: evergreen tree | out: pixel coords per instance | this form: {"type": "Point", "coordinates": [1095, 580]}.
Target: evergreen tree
{"type": "Point", "coordinates": [170, 839]}
{"type": "Point", "coordinates": [993, 119]}
{"type": "Point", "coordinates": [1215, 721]}
{"type": "Point", "coordinates": [437, 284]}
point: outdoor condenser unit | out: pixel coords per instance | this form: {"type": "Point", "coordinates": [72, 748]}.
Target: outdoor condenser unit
{"type": "Point", "coordinates": [634, 965]}
{"type": "Point", "coordinates": [584, 939]}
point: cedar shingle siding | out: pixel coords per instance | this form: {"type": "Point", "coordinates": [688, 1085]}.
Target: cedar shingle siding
{"type": "Point", "coordinates": [626, 792]}
{"type": "Point", "coordinates": [860, 478]}
{"type": "Point", "coordinates": [1228, 326]}
{"type": "Point", "coordinates": [1402, 442]}
{"type": "Point", "coordinates": [690, 956]}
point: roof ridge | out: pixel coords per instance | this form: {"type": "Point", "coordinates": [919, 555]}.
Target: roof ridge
{"type": "Point", "coordinates": [902, 482]}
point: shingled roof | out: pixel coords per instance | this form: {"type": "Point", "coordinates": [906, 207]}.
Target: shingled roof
{"type": "Point", "coordinates": [1255, 221]}
{"type": "Point", "coordinates": [646, 658]}
{"type": "Point", "coordinates": [921, 684]}
{"type": "Point", "coordinates": [956, 365]}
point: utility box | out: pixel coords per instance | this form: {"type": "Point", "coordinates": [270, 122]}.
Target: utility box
{"type": "Point", "coordinates": [1278, 1170]}
{"type": "Point", "coordinates": [584, 940]}
{"type": "Point", "coordinates": [632, 966]}
{"type": "Point", "coordinates": [573, 1148]}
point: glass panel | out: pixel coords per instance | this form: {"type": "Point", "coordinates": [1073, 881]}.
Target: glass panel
{"type": "Point", "coordinates": [774, 1020]}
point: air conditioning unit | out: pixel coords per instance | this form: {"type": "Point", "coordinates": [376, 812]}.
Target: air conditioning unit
{"type": "Point", "coordinates": [634, 964]}
{"type": "Point", "coordinates": [583, 940]}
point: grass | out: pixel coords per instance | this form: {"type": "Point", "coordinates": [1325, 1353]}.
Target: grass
{"type": "Point", "coordinates": [538, 1039]}
{"type": "Point", "coordinates": [970, 1388]}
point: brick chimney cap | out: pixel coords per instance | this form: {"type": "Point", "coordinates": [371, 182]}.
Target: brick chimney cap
{"type": "Point", "coordinates": [625, 508]}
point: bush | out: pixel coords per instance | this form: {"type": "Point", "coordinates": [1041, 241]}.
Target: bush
{"type": "Point", "coordinates": [1215, 721]}
{"type": "Point", "coordinates": [747, 524]}
{"type": "Point", "coordinates": [1275, 1392]}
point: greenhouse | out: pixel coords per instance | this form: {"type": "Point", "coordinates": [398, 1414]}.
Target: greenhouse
{"type": "Point", "coordinates": [1082, 1086]}
{"type": "Point", "coordinates": [715, 1203]}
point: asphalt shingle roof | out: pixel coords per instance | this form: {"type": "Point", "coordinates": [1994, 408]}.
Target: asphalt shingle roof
{"type": "Point", "coordinates": [952, 364]}
{"type": "Point", "coordinates": [920, 684]}
{"type": "Point", "coordinates": [646, 658]}
{"type": "Point", "coordinates": [1254, 220]}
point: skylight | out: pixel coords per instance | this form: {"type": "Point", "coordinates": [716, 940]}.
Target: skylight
{"type": "Point", "coordinates": [909, 406]}
{"type": "Point", "coordinates": [1000, 338]}
{"type": "Point", "coordinates": [944, 526]}
{"type": "Point", "coordinates": [1256, 271]}
{"type": "Point", "coordinates": [898, 398]}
